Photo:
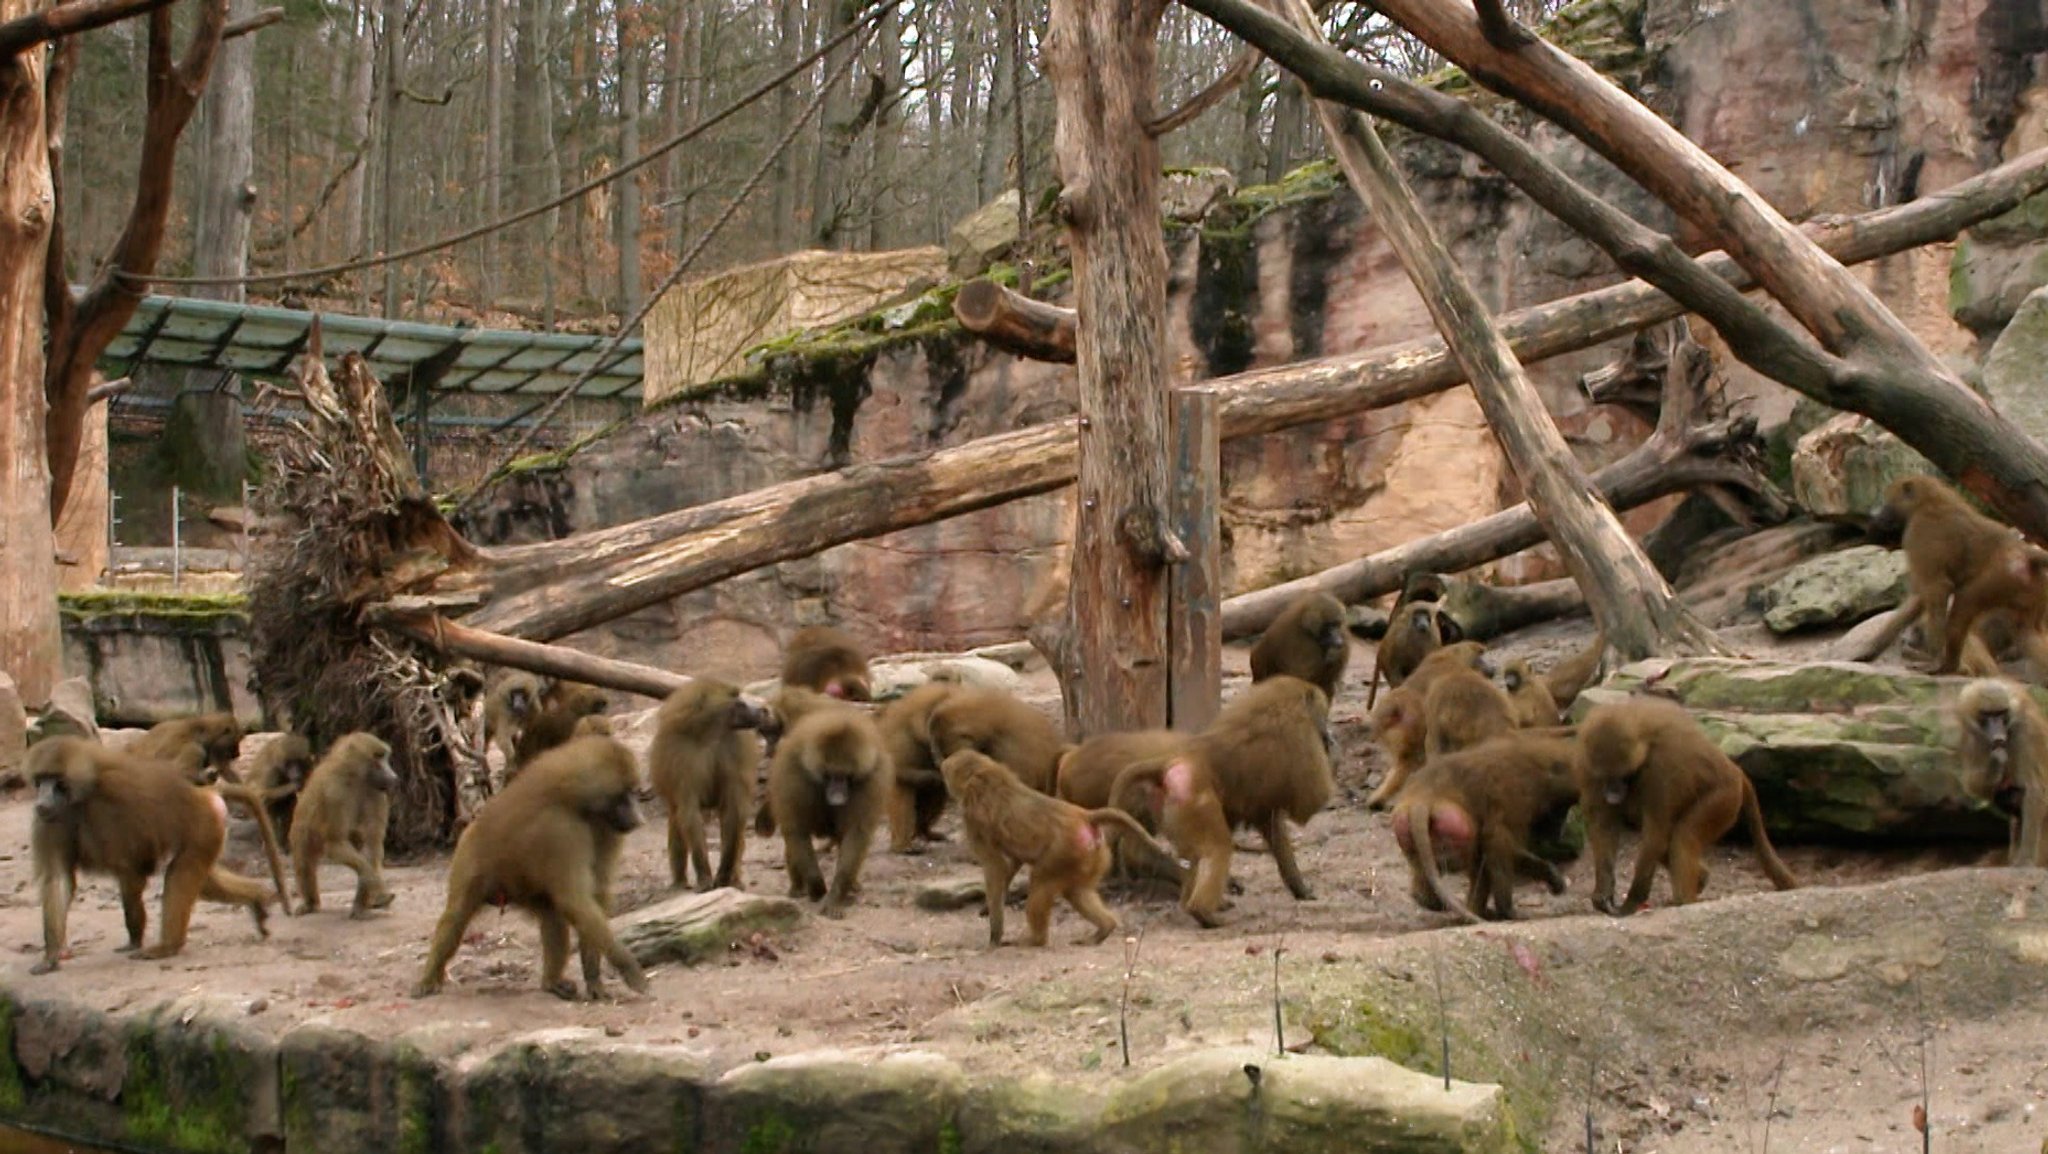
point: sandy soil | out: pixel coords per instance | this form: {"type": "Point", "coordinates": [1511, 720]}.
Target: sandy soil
{"type": "Point", "coordinates": [893, 974]}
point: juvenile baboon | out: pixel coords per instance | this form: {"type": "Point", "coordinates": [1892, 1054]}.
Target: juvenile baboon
{"type": "Point", "coordinates": [1414, 631]}
{"type": "Point", "coordinates": [1461, 708]}
{"type": "Point", "coordinates": [111, 813]}
{"type": "Point", "coordinates": [219, 735]}
{"type": "Point", "coordinates": [703, 757]}
{"type": "Point", "coordinates": [829, 779]}
{"type": "Point", "coordinates": [549, 844]}
{"type": "Point", "coordinates": [1479, 807]}
{"type": "Point", "coordinates": [279, 772]}
{"type": "Point", "coordinates": [343, 814]}
{"type": "Point", "coordinates": [1087, 775]}
{"type": "Point", "coordinates": [564, 705]}
{"type": "Point", "coordinates": [1400, 723]}
{"type": "Point", "coordinates": [991, 721]}
{"type": "Point", "coordinates": [1307, 641]}
{"type": "Point", "coordinates": [509, 704]}
{"type": "Point", "coordinates": [2005, 761]}
{"type": "Point", "coordinates": [917, 793]}
{"type": "Point", "coordinates": [1264, 761]}
{"type": "Point", "coordinates": [827, 661]}
{"type": "Point", "coordinates": [1009, 825]}
{"type": "Point", "coordinates": [1534, 707]}
{"type": "Point", "coordinates": [1961, 566]}
{"type": "Point", "coordinates": [1569, 678]}
{"type": "Point", "coordinates": [1646, 763]}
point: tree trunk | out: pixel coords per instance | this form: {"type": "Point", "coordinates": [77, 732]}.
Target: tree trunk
{"type": "Point", "coordinates": [992, 171]}
{"type": "Point", "coordinates": [1100, 56]}
{"type": "Point", "coordinates": [827, 183]}
{"type": "Point", "coordinates": [1015, 323]}
{"type": "Point", "coordinates": [631, 88]}
{"type": "Point", "coordinates": [220, 248]}
{"type": "Point", "coordinates": [391, 39]}
{"type": "Point", "coordinates": [885, 215]}
{"type": "Point", "coordinates": [1634, 606]}
{"type": "Point", "coordinates": [83, 547]}
{"type": "Point", "coordinates": [789, 37]}
{"type": "Point", "coordinates": [31, 641]}
{"type": "Point", "coordinates": [362, 94]}
{"type": "Point", "coordinates": [494, 144]}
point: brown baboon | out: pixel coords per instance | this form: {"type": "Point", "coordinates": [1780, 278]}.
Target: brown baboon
{"type": "Point", "coordinates": [703, 757]}
{"type": "Point", "coordinates": [1461, 708]}
{"type": "Point", "coordinates": [2005, 761]}
{"type": "Point", "coordinates": [219, 735]}
{"type": "Point", "coordinates": [827, 661]}
{"type": "Point", "coordinates": [1534, 707]}
{"type": "Point", "coordinates": [1307, 641]}
{"type": "Point", "coordinates": [991, 721]}
{"type": "Point", "coordinates": [1399, 723]}
{"type": "Point", "coordinates": [829, 779]}
{"type": "Point", "coordinates": [1088, 772]}
{"type": "Point", "coordinates": [1416, 626]}
{"type": "Point", "coordinates": [549, 844]}
{"type": "Point", "coordinates": [593, 725]}
{"type": "Point", "coordinates": [1961, 566]}
{"type": "Point", "coordinates": [917, 794]}
{"type": "Point", "coordinates": [564, 705]}
{"type": "Point", "coordinates": [1264, 761]}
{"type": "Point", "coordinates": [1570, 677]}
{"type": "Point", "coordinates": [509, 704]}
{"type": "Point", "coordinates": [343, 813]}
{"type": "Point", "coordinates": [1479, 807]}
{"type": "Point", "coordinates": [1009, 825]}
{"type": "Point", "coordinates": [106, 812]}
{"type": "Point", "coordinates": [1646, 763]}
{"type": "Point", "coordinates": [279, 772]}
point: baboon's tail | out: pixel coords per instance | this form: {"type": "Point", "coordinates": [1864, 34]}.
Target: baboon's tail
{"type": "Point", "coordinates": [236, 890]}
{"type": "Point", "coordinates": [1425, 849]}
{"type": "Point", "coordinates": [1753, 817]}
{"type": "Point", "coordinates": [1129, 824]}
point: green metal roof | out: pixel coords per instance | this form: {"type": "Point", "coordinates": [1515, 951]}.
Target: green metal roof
{"type": "Point", "coordinates": [262, 341]}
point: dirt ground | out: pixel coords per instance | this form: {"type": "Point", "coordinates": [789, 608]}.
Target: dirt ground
{"type": "Point", "coordinates": [893, 974]}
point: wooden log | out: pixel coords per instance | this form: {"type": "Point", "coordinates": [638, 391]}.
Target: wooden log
{"type": "Point", "coordinates": [600, 575]}
{"type": "Point", "coordinates": [1015, 323]}
{"type": "Point", "coordinates": [552, 660]}
{"type": "Point", "coordinates": [1194, 587]}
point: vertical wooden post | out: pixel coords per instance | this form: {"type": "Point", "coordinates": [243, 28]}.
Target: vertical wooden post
{"type": "Point", "coordinates": [1194, 590]}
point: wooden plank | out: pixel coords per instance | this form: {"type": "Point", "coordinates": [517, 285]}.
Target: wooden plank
{"type": "Point", "coordinates": [1194, 598]}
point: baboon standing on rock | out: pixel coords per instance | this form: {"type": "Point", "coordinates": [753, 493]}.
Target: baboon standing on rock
{"type": "Point", "coordinates": [2005, 761]}
{"type": "Point", "coordinates": [1646, 763]}
{"type": "Point", "coordinates": [703, 757]}
{"type": "Point", "coordinates": [107, 812]}
{"type": "Point", "coordinates": [1307, 641]}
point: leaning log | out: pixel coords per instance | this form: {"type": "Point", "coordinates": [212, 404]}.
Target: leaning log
{"type": "Point", "coordinates": [448, 637]}
{"type": "Point", "coordinates": [1015, 323]}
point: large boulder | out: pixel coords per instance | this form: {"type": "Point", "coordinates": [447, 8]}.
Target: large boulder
{"type": "Point", "coordinates": [1838, 751]}
{"type": "Point", "coordinates": [691, 928]}
{"type": "Point", "coordinates": [70, 712]}
{"type": "Point", "coordinates": [983, 236]}
{"type": "Point", "coordinates": [1843, 467]}
{"type": "Point", "coordinates": [877, 1102]}
{"type": "Point", "coordinates": [2012, 373]}
{"type": "Point", "coordinates": [1997, 265]}
{"type": "Point", "coordinates": [1187, 194]}
{"type": "Point", "coordinates": [13, 731]}
{"type": "Point", "coordinates": [1836, 589]}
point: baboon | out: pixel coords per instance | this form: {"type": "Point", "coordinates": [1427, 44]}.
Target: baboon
{"type": "Point", "coordinates": [1461, 708]}
{"type": "Point", "coordinates": [829, 779]}
{"type": "Point", "coordinates": [1416, 626]}
{"type": "Point", "coordinates": [1962, 565]}
{"type": "Point", "coordinates": [592, 725]}
{"type": "Point", "coordinates": [1088, 772]}
{"type": "Point", "coordinates": [821, 658]}
{"type": "Point", "coordinates": [190, 759]}
{"type": "Point", "coordinates": [106, 812]}
{"type": "Point", "coordinates": [548, 843]}
{"type": "Point", "coordinates": [1010, 825]}
{"type": "Point", "coordinates": [703, 757]}
{"type": "Point", "coordinates": [219, 735]}
{"type": "Point", "coordinates": [1400, 723]}
{"type": "Point", "coordinates": [1530, 695]}
{"type": "Point", "coordinates": [279, 772]}
{"type": "Point", "coordinates": [509, 704]}
{"type": "Point", "coordinates": [1307, 641]}
{"type": "Point", "coordinates": [1479, 807]}
{"type": "Point", "coordinates": [1569, 678]}
{"type": "Point", "coordinates": [343, 813]}
{"type": "Point", "coordinates": [917, 794]}
{"type": "Point", "coordinates": [1647, 763]}
{"type": "Point", "coordinates": [1264, 761]}
{"type": "Point", "coordinates": [564, 705]}
{"type": "Point", "coordinates": [2004, 745]}
{"type": "Point", "coordinates": [991, 721]}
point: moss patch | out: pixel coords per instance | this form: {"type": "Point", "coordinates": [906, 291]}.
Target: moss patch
{"type": "Point", "coordinates": [96, 603]}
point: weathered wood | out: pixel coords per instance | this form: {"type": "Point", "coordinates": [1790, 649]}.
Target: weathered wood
{"type": "Point", "coordinates": [1635, 608]}
{"type": "Point", "coordinates": [1101, 57]}
{"type": "Point", "coordinates": [1014, 322]}
{"type": "Point", "coordinates": [597, 576]}
{"type": "Point", "coordinates": [31, 641]}
{"type": "Point", "coordinates": [552, 660]}
{"type": "Point", "coordinates": [20, 33]}
{"type": "Point", "coordinates": [1886, 373]}
{"type": "Point", "coordinates": [1194, 615]}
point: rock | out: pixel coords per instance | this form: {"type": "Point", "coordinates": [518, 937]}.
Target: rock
{"type": "Point", "coordinates": [1187, 194]}
{"type": "Point", "coordinates": [1208, 1102]}
{"type": "Point", "coordinates": [876, 1102]}
{"type": "Point", "coordinates": [1997, 265]}
{"type": "Point", "coordinates": [2012, 373]}
{"type": "Point", "coordinates": [1844, 466]}
{"type": "Point", "coordinates": [958, 893]}
{"type": "Point", "coordinates": [1035, 1114]}
{"type": "Point", "coordinates": [982, 236]}
{"type": "Point", "coordinates": [1837, 751]}
{"type": "Point", "coordinates": [1836, 589]}
{"type": "Point", "coordinates": [70, 712]}
{"type": "Point", "coordinates": [694, 927]}
{"type": "Point", "coordinates": [1723, 585]}
{"type": "Point", "coordinates": [536, 1095]}
{"type": "Point", "coordinates": [346, 1092]}
{"type": "Point", "coordinates": [13, 731]}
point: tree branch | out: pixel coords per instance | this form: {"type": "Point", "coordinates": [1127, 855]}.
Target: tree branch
{"type": "Point", "coordinates": [1208, 97]}
{"type": "Point", "coordinates": [25, 32]}
{"type": "Point", "coordinates": [260, 20]}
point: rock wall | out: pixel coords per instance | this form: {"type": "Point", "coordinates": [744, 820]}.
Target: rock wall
{"type": "Point", "coordinates": [1826, 106]}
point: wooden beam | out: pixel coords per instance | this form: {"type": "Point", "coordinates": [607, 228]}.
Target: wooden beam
{"type": "Point", "coordinates": [1194, 614]}
{"type": "Point", "coordinates": [1014, 322]}
{"type": "Point", "coordinates": [552, 660]}
{"type": "Point", "coordinates": [26, 32]}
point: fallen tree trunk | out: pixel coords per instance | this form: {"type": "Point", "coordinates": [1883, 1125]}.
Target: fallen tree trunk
{"type": "Point", "coordinates": [549, 590]}
{"type": "Point", "coordinates": [553, 660]}
{"type": "Point", "coordinates": [1015, 323]}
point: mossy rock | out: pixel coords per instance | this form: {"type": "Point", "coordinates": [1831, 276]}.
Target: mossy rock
{"type": "Point", "coordinates": [571, 1089]}
{"type": "Point", "coordinates": [689, 929]}
{"type": "Point", "coordinates": [873, 1102]}
{"type": "Point", "coordinates": [1836, 589]}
